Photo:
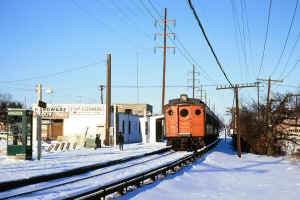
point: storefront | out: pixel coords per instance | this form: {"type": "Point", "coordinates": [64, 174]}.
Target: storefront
{"type": "Point", "coordinates": [81, 122]}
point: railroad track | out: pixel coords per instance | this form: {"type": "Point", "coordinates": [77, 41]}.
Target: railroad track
{"type": "Point", "coordinates": [102, 182]}
{"type": "Point", "coordinates": [4, 186]}
{"type": "Point", "coordinates": [30, 190]}
{"type": "Point", "coordinates": [138, 180]}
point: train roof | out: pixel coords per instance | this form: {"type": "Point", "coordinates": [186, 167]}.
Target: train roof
{"type": "Point", "coordinates": [185, 100]}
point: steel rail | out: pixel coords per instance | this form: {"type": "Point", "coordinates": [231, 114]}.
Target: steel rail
{"type": "Point", "coordinates": [86, 177]}
{"type": "Point", "coordinates": [4, 186]}
{"type": "Point", "coordinates": [139, 179]}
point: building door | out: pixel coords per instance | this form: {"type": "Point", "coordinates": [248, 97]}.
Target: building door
{"type": "Point", "coordinates": [56, 129]}
{"type": "Point", "coordinates": [159, 130]}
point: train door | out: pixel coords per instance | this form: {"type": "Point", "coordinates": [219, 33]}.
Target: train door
{"type": "Point", "coordinates": [172, 121]}
{"type": "Point", "coordinates": [184, 120]}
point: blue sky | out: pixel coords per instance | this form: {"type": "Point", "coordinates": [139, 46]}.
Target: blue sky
{"type": "Point", "coordinates": [41, 38]}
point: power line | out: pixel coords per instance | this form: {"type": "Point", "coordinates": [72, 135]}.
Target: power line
{"type": "Point", "coordinates": [208, 42]}
{"type": "Point", "coordinates": [185, 53]}
{"type": "Point", "coordinates": [90, 14]}
{"type": "Point", "coordinates": [293, 68]}
{"type": "Point", "coordinates": [130, 42]}
{"type": "Point", "coordinates": [291, 53]}
{"type": "Point", "coordinates": [266, 38]}
{"type": "Point", "coordinates": [285, 85]}
{"type": "Point", "coordinates": [244, 34]}
{"type": "Point", "coordinates": [240, 43]}
{"type": "Point", "coordinates": [237, 36]}
{"type": "Point", "coordinates": [53, 74]}
{"type": "Point", "coordinates": [287, 38]}
{"type": "Point", "coordinates": [126, 16]}
{"type": "Point", "coordinates": [159, 86]}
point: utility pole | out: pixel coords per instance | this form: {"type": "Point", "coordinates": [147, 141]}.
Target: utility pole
{"type": "Point", "coordinates": [137, 79]}
{"type": "Point", "coordinates": [39, 129]}
{"type": "Point", "coordinates": [194, 79]}
{"type": "Point", "coordinates": [101, 88]}
{"type": "Point", "coordinates": [165, 34]}
{"type": "Point", "coordinates": [201, 90]}
{"type": "Point", "coordinates": [237, 114]}
{"type": "Point", "coordinates": [269, 80]}
{"type": "Point", "coordinates": [258, 86]}
{"type": "Point", "coordinates": [108, 100]}
{"type": "Point", "coordinates": [296, 109]}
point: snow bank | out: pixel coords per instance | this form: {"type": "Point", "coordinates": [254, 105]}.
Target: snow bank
{"type": "Point", "coordinates": [222, 175]}
{"type": "Point", "coordinates": [63, 161]}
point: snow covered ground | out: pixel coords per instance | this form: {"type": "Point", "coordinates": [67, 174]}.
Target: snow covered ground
{"type": "Point", "coordinates": [218, 175]}
{"type": "Point", "coordinates": [54, 162]}
{"type": "Point", "coordinates": [221, 175]}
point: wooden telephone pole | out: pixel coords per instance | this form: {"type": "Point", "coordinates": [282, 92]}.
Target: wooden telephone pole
{"type": "Point", "coordinates": [258, 103]}
{"type": "Point", "coordinates": [269, 80]}
{"type": "Point", "coordinates": [237, 114]}
{"type": "Point", "coordinates": [194, 79]}
{"type": "Point", "coordinates": [108, 100]}
{"type": "Point", "coordinates": [165, 34]}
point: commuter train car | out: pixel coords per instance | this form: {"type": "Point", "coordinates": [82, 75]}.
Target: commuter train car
{"type": "Point", "coordinates": [190, 124]}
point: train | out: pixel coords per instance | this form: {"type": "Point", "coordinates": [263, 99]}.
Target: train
{"type": "Point", "coordinates": [190, 124]}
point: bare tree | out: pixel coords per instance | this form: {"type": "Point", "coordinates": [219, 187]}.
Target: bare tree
{"type": "Point", "coordinates": [7, 102]}
{"type": "Point", "coordinates": [270, 136]}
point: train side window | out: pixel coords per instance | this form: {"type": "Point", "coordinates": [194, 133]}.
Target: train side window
{"type": "Point", "coordinates": [184, 112]}
{"type": "Point", "coordinates": [198, 112]}
{"type": "Point", "coordinates": [170, 112]}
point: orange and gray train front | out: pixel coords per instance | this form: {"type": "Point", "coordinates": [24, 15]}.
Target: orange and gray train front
{"type": "Point", "coordinates": [185, 125]}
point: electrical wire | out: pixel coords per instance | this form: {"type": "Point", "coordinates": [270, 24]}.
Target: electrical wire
{"type": "Point", "coordinates": [159, 86]}
{"type": "Point", "coordinates": [208, 42]}
{"type": "Point", "coordinates": [266, 38]}
{"type": "Point", "coordinates": [292, 69]}
{"type": "Point", "coordinates": [291, 53]}
{"type": "Point", "coordinates": [53, 74]}
{"type": "Point", "coordinates": [182, 45]}
{"type": "Point", "coordinates": [126, 18]}
{"type": "Point", "coordinates": [237, 33]}
{"type": "Point", "coordinates": [286, 39]}
{"type": "Point", "coordinates": [130, 42]}
{"type": "Point", "coordinates": [244, 35]}
{"type": "Point", "coordinates": [185, 53]}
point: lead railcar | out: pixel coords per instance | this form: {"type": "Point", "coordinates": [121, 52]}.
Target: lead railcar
{"type": "Point", "coordinates": [190, 124]}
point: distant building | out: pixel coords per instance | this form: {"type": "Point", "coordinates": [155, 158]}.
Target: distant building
{"type": "Point", "coordinates": [81, 122]}
{"type": "Point", "coordinates": [291, 128]}
{"type": "Point", "coordinates": [135, 109]}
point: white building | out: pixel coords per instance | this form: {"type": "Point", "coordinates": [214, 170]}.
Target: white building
{"type": "Point", "coordinates": [152, 129]}
{"type": "Point", "coordinates": [81, 122]}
